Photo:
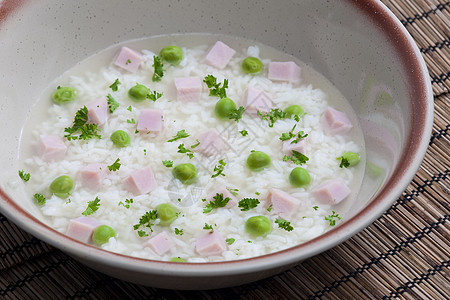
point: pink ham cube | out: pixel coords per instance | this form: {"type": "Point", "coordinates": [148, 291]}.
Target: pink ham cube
{"type": "Point", "coordinates": [161, 243]}
{"type": "Point", "coordinates": [331, 191]}
{"type": "Point", "coordinates": [188, 88]}
{"type": "Point", "coordinates": [219, 55]}
{"type": "Point", "coordinates": [141, 181]}
{"type": "Point", "coordinates": [282, 203]}
{"type": "Point", "coordinates": [226, 194]}
{"type": "Point", "coordinates": [82, 228]}
{"type": "Point", "coordinates": [284, 71]}
{"type": "Point", "coordinates": [335, 122]}
{"type": "Point", "coordinates": [288, 146]}
{"type": "Point", "coordinates": [150, 120]}
{"type": "Point", "coordinates": [210, 244]}
{"type": "Point", "coordinates": [211, 143]}
{"type": "Point", "coordinates": [92, 175]}
{"type": "Point", "coordinates": [128, 59]}
{"type": "Point", "coordinates": [97, 111]}
{"type": "Point", "coordinates": [256, 100]}
{"type": "Point", "coordinates": [50, 147]}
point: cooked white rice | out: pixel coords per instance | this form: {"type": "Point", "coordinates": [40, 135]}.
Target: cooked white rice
{"type": "Point", "coordinates": [152, 149]}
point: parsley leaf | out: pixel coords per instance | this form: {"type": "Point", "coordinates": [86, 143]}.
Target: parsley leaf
{"type": "Point", "coordinates": [236, 114]}
{"type": "Point", "coordinates": [233, 191]}
{"type": "Point", "coordinates": [196, 145]}
{"type": "Point", "coordinates": [331, 218]}
{"type": "Point", "coordinates": [315, 207]}
{"type": "Point", "coordinates": [269, 209]}
{"type": "Point", "coordinates": [272, 116]}
{"type": "Point", "coordinates": [130, 108]}
{"type": "Point", "coordinates": [167, 163]}
{"type": "Point", "coordinates": [296, 157]}
{"type": "Point", "coordinates": [24, 176]}
{"type": "Point", "coordinates": [230, 241]}
{"type": "Point", "coordinates": [179, 231]}
{"type": "Point", "coordinates": [215, 88]}
{"type": "Point", "coordinates": [128, 62]}
{"type": "Point", "coordinates": [248, 203]}
{"type": "Point", "coordinates": [146, 221]}
{"type": "Point", "coordinates": [219, 169]}
{"type": "Point", "coordinates": [131, 121]}
{"type": "Point", "coordinates": [284, 224]}
{"type": "Point", "coordinates": [288, 135]}
{"type": "Point", "coordinates": [208, 227]}
{"type": "Point", "coordinates": [182, 149]}
{"type": "Point", "coordinates": [115, 166]}
{"type": "Point", "coordinates": [92, 207]}
{"type": "Point", "coordinates": [127, 201]}
{"type": "Point", "coordinates": [218, 202]}
{"type": "Point", "coordinates": [243, 132]}
{"type": "Point", "coordinates": [158, 69]}
{"type": "Point", "coordinates": [40, 199]}
{"type": "Point", "coordinates": [88, 131]}
{"type": "Point", "coordinates": [112, 103]}
{"type": "Point", "coordinates": [180, 135]}
{"type": "Point", "coordinates": [115, 85]}
{"type": "Point", "coordinates": [344, 162]}
{"type": "Point", "coordinates": [154, 95]}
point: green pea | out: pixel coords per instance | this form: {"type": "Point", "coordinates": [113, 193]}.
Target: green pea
{"type": "Point", "coordinates": [258, 161]}
{"type": "Point", "coordinates": [224, 107]}
{"type": "Point", "coordinates": [102, 234]}
{"type": "Point", "coordinates": [138, 92]}
{"type": "Point", "coordinates": [252, 65]}
{"type": "Point", "coordinates": [166, 214]}
{"type": "Point", "coordinates": [120, 138]}
{"type": "Point", "coordinates": [351, 157]}
{"type": "Point", "coordinates": [186, 173]}
{"type": "Point", "coordinates": [299, 177]}
{"type": "Point", "coordinates": [177, 259]}
{"type": "Point", "coordinates": [293, 110]}
{"type": "Point", "coordinates": [64, 94]}
{"type": "Point", "coordinates": [258, 226]}
{"type": "Point", "coordinates": [171, 54]}
{"type": "Point", "coordinates": [62, 186]}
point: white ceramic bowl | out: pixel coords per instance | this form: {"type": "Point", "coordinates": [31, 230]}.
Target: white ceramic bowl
{"type": "Point", "coordinates": [357, 45]}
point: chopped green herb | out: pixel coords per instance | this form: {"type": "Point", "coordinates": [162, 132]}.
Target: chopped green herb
{"type": "Point", "coordinates": [219, 201]}
{"type": "Point", "coordinates": [257, 193]}
{"type": "Point", "coordinates": [146, 221]}
{"type": "Point", "coordinates": [127, 201]}
{"type": "Point", "coordinates": [182, 149]}
{"type": "Point", "coordinates": [344, 162]}
{"type": "Point", "coordinates": [131, 121]}
{"type": "Point", "coordinates": [233, 191]}
{"type": "Point", "coordinates": [272, 116]}
{"type": "Point", "coordinates": [112, 103]}
{"type": "Point", "coordinates": [180, 135]}
{"type": "Point", "coordinates": [115, 166]}
{"type": "Point", "coordinates": [243, 132]}
{"type": "Point", "coordinates": [88, 131]}
{"type": "Point", "coordinates": [248, 203]}
{"type": "Point", "coordinates": [331, 218]}
{"type": "Point", "coordinates": [315, 207]}
{"type": "Point", "coordinates": [154, 95]}
{"type": "Point", "coordinates": [128, 62]}
{"type": "Point", "coordinates": [24, 176]}
{"type": "Point", "coordinates": [296, 157]}
{"type": "Point", "coordinates": [215, 88]}
{"type": "Point", "coordinates": [179, 231]}
{"type": "Point", "coordinates": [218, 169]}
{"type": "Point", "coordinates": [300, 135]}
{"type": "Point", "coordinates": [92, 207]}
{"type": "Point", "coordinates": [167, 163]}
{"type": "Point", "coordinates": [250, 242]}
{"type": "Point", "coordinates": [40, 199]}
{"type": "Point", "coordinates": [196, 144]}
{"type": "Point", "coordinates": [130, 108]}
{"type": "Point", "coordinates": [208, 227]}
{"type": "Point", "coordinates": [236, 114]}
{"type": "Point", "coordinates": [269, 209]}
{"type": "Point", "coordinates": [68, 201]}
{"type": "Point", "coordinates": [284, 224]}
{"type": "Point", "coordinates": [158, 69]}
{"type": "Point", "coordinates": [230, 241]}
{"type": "Point", "coordinates": [115, 85]}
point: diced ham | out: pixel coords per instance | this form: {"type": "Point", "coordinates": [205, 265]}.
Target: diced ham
{"type": "Point", "coordinates": [211, 244]}
{"type": "Point", "coordinates": [219, 55]}
{"type": "Point", "coordinates": [150, 120]}
{"type": "Point", "coordinates": [282, 203]}
{"type": "Point", "coordinates": [82, 228]}
{"type": "Point", "coordinates": [226, 194]}
{"type": "Point", "coordinates": [256, 100]}
{"type": "Point", "coordinates": [92, 175]}
{"type": "Point", "coordinates": [97, 111]}
{"type": "Point", "coordinates": [141, 181]}
{"type": "Point", "coordinates": [188, 88]}
{"type": "Point", "coordinates": [210, 143]}
{"type": "Point", "coordinates": [284, 71]}
{"type": "Point", "coordinates": [161, 243]}
{"type": "Point", "coordinates": [331, 191]}
{"type": "Point", "coordinates": [300, 146]}
{"type": "Point", "coordinates": [50, 147]}
{"type": "Point", "coordinates": [335, 122]}
{"type": "Point", "coordinates": [128, 59]}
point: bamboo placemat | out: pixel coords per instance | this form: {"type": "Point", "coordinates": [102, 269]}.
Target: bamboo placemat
{"type": "Point", "coordinates": [404, 254]}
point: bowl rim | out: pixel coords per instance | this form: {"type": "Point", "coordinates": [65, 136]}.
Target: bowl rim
{"type": "Point", "coordinates": [415, 149]}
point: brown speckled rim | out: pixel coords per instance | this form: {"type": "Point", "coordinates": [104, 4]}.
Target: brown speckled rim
{"type": "Point", "coordinates": [421, 99]}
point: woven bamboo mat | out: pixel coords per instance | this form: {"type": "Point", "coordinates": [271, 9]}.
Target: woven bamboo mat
{"type": "Point", "coordinates": [404, 254]}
